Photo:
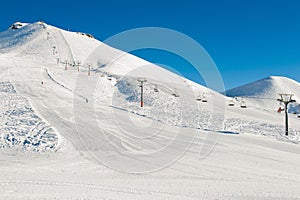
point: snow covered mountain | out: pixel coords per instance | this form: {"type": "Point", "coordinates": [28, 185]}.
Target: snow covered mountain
{"type": "Point", "coordinates": [62, 58]}
{"type": "Point", "coordinates": [83, 67]}
{"type": "Point", "coordinates": [264, 93]}
{"type": "Point", "coordinates": [76, 101]}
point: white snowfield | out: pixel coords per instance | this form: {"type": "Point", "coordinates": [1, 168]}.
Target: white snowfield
{"type": "Point", "coordinates": [69, 135]}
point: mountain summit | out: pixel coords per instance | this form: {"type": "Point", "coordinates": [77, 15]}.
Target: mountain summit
{"type": "Point", "coordinates": [268, 87]}
{"type": "Point", "coordinates": [264, 93]}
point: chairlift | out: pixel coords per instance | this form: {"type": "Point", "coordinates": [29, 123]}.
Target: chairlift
{"type": "Point", "coordinates": [156, 89]}
{"type": "Point", "coordinates": [199, 97]}
{"type": "Point", "coordinates": [204, 100]}
{"type": "Point", "coordinates": [231, 103]}
{"type": "Point", "coordinates": [175, 94]}
{"type": "Point", "coordinates": [243, 104]}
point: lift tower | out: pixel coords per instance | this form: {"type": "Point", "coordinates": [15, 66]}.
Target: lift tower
{"type": "Point", "coordinates": [142, 80]}
{"type": "Point", "coordinates": [286, 99]}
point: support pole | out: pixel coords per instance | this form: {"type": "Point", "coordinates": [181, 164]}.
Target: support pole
{"type": "Point", "coordinates": [286, 99]}
{"type": "Point", "coordinates": [66, 67]}
{"type": "Point", "coordinates": [78, 65]}
{"type": "Point", "coordinates": [89, 72]}
{"type": "Point", "coordinates": [142, 80]}
{"type": "Point", "coordinates": [286, 119]}
{"type": "Point", "coordinates": [142, 100]}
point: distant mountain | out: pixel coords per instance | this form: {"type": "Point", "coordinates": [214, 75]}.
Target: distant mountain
{"type": "Point", "coordinates": [54, 80]}
{"type": "Point", "coordinates": [265, 92]}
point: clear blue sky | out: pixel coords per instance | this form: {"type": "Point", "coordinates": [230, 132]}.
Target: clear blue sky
{"type": "Point", "coordinates": [247, 39]}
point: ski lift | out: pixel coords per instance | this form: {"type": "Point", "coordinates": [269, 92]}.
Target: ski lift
{"type": "Point", "coordinates": [199, 97]}
{"type": "Point", "coordinates": [243, 103]}
{"type": "Point", "coordinates": [156, 89]}
{"type": "Point", "coordinates": [231, 102]}
{"type": "Point", "coordinates": [175, 94]}
{"type": "Point", "coordinates": [204, 98]}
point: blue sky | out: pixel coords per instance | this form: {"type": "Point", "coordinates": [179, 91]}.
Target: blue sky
{"type": "Point", "coordinates": [247, 39]}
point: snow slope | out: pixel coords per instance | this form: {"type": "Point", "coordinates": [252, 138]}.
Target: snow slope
{"type": "Point", "coordinates": [88, 125]}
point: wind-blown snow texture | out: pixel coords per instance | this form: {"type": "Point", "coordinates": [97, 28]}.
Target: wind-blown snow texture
{"type": "Point", "coordinates": [20, 126]}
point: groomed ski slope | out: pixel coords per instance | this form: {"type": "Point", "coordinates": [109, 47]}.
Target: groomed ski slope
{"type": "Point", "coordinates": [251, 159]}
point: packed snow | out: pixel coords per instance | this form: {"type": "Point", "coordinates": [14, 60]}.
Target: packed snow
{"type": "Point", "coordinates": [71, 104]}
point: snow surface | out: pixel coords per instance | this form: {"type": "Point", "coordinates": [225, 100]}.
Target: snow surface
{"type": "Point", "coordinates": [74, 122]}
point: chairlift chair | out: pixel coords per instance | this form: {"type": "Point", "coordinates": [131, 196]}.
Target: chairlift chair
{"type": "Point", "coordinates": [204, 100]}
{"type": "Point", "coordinates": [199, 97]}
{"type": "Point", "coordinates": [231, 103]}
{"type": "Point", "coordinates": [243, 104]}
{"type": "Point", "coordinates": [155, 89]}
{"type": "Point", "coordinates": [175, 94]}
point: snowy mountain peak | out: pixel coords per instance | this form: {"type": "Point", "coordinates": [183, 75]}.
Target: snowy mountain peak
{"type": "Point", "coordinates": [268, 87]}
{"type": "Point", "coordinates": [19, 34]}
{"type": "Point", "coordinates": [263, 94]}
{"type": "Point", "coordinates": [17, 25]}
